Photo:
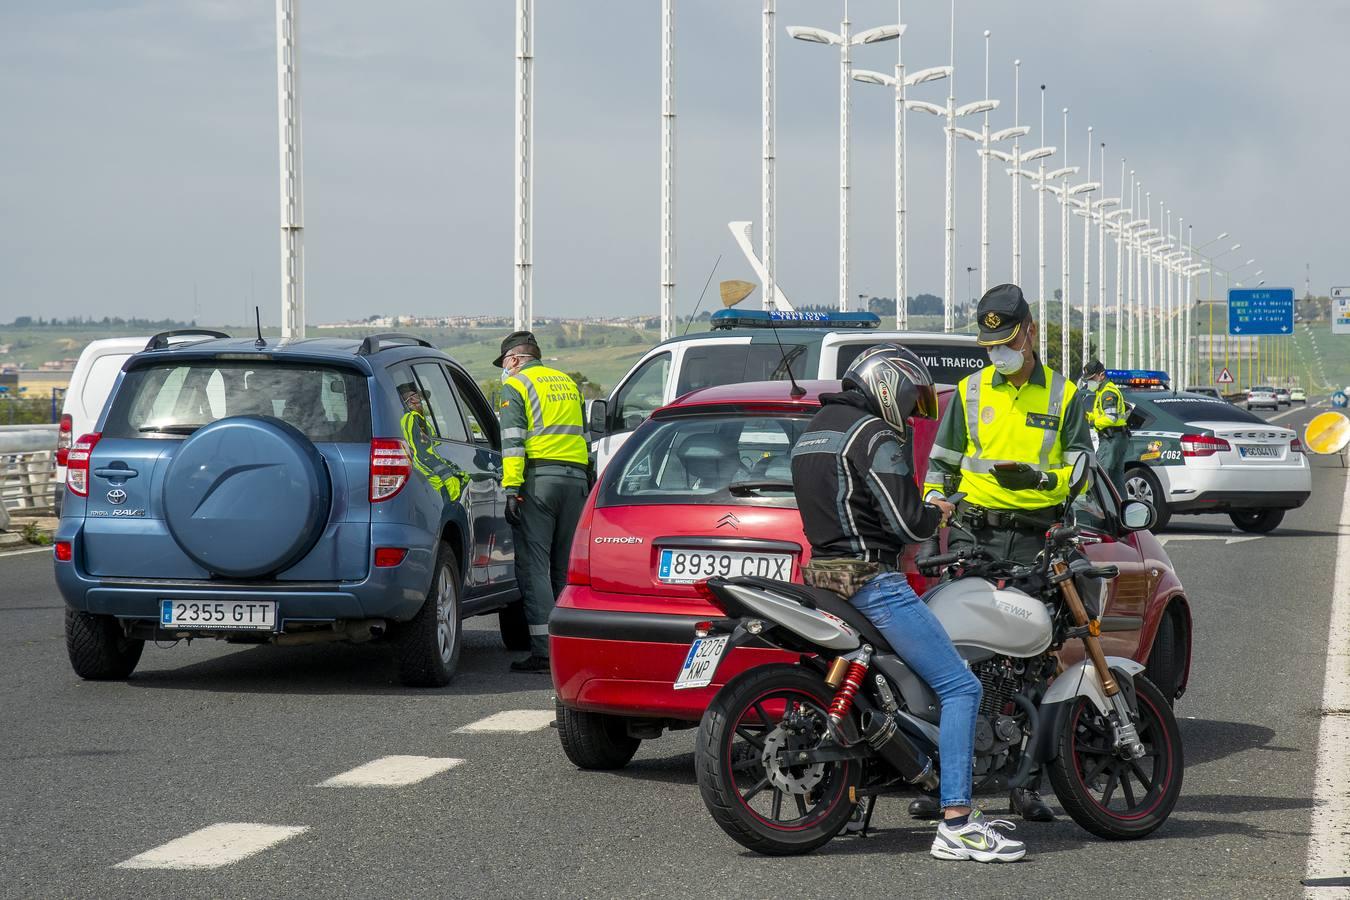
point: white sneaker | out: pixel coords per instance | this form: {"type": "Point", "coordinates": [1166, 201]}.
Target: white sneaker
{"type": "Point", "coordinates": [977, 840]}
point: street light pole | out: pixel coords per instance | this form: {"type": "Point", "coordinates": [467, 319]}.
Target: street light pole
{"type": "Point", "coordinates": [1040, 236]}
{"type": "Point", "coordinates": [949, 244]}
{"type": "Point", "coordinates": [667, 169]}
{"type": "Point", "coordinates": [767, 182]}
{"type": "Point", "coordinates": [984, 182]}
{"type": "Point", "coordinates": [292, 192]}
{"type": "Point", "coordinates": [1064, 264]}
{"type": "Point", "coordinates": [524, 194]}
{"type": "Point", "coordinates": [1087, 259]}
{"type": "Point", "coordinates": [1017, 174]}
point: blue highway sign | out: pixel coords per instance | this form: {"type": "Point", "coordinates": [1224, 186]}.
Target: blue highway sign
{"type": "Point", "coordinates": [1261, 311]}
{"type": "Point", "coordinates": [1339, 400]}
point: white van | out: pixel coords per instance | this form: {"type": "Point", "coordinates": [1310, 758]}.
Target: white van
{"type": "Point", "coordinates": [757, 345]}
{"type": "Point", "coordinates": [92, 382]}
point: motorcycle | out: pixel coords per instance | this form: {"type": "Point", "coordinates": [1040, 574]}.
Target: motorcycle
{"type": "Point", "coordinates": [786, 752]}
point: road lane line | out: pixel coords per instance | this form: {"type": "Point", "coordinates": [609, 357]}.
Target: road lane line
{"type": "Point", "coordinates": [25, 552]}
{"type": "Point", "coordinates": [393, 771]}
{"type": "Point", "coordinates": [1329, 843]}
{"type": "Point", "coordinates": [213, 846]}
{"type": "Point", "coordinates": [518, 720]}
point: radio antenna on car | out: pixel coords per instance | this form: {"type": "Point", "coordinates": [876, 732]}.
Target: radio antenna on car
{"type": "Point", "coordinates": [257, 320]}
{"type": "Point", "coordinates": [797, 392]}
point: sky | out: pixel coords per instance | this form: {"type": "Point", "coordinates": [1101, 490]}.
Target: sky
{"type": "Point", "coordinates": [139, 158]}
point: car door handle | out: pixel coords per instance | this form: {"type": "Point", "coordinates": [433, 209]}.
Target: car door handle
{"type": "Point", "coordinates": [116, 473]}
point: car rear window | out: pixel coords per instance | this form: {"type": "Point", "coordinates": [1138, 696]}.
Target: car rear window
{"type": "Point", "coordinates": [713, 459]}
{"type": "Point", "coordinates": [713, 365]}
{"type": "Point", "coordinates": [948, 364]}
{"type": "Point", "coordinates": [1198, 409]}
{"type": "Point", "coordinates": [174, 398]}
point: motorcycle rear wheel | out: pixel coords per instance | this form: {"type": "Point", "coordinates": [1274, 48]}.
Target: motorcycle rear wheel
{"type": "Point", "coordinates": [1111, 797]}
{"type": "Point", "coordinates": [748, 801]}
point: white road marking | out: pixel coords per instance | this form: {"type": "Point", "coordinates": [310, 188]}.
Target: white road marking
{"type": "Point", "coordinates": [1226, 538]}
{"type": "Point", "coordinates": [1329, 844]}
{"type": "Point", "coordinates": [213, 846]}
{"type": "Point", "coordinates": [518, 720]}
{"type": "Point", "coordinates": [25, 552]}
{"type": "Point", "coordinates": [392, 771]}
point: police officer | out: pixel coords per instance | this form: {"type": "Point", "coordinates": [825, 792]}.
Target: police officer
{"type": "Point", "coordinates": [445, 476]}
{"type": "Point", "coordinates": [1109, 415]}
{"type": "Point", "coordinates": [546, 473]}
{"type": "Point", "coordinates": [1008, 441]}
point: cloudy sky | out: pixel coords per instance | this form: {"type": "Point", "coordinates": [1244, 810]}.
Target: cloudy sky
{"type": "Point", "coordinates": [138, 161]}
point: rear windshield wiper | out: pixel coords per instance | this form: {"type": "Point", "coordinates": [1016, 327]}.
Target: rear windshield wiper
{"type": "Point", "coordinates": [169, 429]}
{"type": "Point", "coordinates": [740, 488]}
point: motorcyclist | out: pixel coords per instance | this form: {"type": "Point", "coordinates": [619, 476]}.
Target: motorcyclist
{"type": "Point", "coordinates": [853, 475]}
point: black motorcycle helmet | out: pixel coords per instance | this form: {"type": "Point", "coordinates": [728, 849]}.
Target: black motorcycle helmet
{"type": "Point", "coordinates": [895, 382]}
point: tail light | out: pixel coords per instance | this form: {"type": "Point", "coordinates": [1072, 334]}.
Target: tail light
{"type": "Point", "coordinates": [1295, 446]}
{"type": "Point", "coordinates": [387, 557]}
{"type": "Point", "coordinates": [63, 440]}
{"type": "Point", "coordinates": [389, 468]}
{"type": "Point", "coordinates": [64, 552]}
{"type": "Point", "coordinates": [77, 463]}
{"type": "Point", "coordinates": [579, 564]}
{"type": "Point", "coordinates": [1202, 445]}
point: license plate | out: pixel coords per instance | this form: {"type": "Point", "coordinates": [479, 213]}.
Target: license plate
{"type": "Point", "coordinates": [1264, 450]}
{"type": "Point", "coordinates": [223, 615]}
{"type": "Point", "coordinates": [688, 566]}
{"type": "Point", "coordinates": [701, 663]}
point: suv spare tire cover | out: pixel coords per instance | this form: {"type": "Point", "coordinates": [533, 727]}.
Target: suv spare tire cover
{"type": "Point", "coordinates": [246, 496]}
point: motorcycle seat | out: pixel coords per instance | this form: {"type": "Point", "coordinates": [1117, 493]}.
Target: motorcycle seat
{"type": "Point", "coordinates": [825, 601]}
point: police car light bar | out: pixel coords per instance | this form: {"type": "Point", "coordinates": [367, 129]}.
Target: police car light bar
{"type": "Point", "coordinates": [1138, 378]}
{"type": "Point", "coordinates": [763, 318]}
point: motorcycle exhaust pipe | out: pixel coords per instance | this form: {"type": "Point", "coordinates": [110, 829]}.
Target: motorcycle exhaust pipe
{"type": "Point", "coordinates": [894, 746]}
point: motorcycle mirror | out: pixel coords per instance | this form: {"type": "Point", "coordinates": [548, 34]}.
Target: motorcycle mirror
{"type": "Point", "coordinates": [1137, 515]}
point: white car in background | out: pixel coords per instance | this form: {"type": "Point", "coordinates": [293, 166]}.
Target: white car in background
{"type": "Point", "coordinates": [1262, 398]}
{"type": "Point", "coordinates": [91, 384]}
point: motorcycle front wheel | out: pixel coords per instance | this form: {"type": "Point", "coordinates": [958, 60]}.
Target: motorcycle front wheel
{"type": "Point", "coordinates": [1111, 796]}
{"type": "Point", "coordinates": [759, 800]}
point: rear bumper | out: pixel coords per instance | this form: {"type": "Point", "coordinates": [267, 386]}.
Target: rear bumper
{"type": "Point", "coordinates": [1194, 489]}
{"type": "Point", "coordinates": [624, 663]}
{"type": "Point", "coordinates": [1223, 501]}
{"type": "Point", "coordinates": [394, 593]}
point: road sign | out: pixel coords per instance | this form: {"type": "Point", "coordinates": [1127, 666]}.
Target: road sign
{"type": "Point", "coordinates": [1340, 400]}
{"type": "Point", "coordinates": [1225, 377]}
{"type": "Point", "coordinates": [1261, 311]}
{"type": "Point", "coordinates": [1340, 310]}
{"type": "Point", "coordinates": [1327, 433]}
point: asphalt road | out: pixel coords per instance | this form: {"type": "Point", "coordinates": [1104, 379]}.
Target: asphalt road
{"type": "Point", "coordinates": [95, 774]}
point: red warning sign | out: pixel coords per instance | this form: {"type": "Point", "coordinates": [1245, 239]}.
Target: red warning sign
{"type": "Point", "coordinates": [1225, 377]}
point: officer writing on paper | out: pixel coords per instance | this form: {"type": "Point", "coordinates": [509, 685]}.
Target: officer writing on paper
{"type": "Point", "coordinates": [546, 474]}
{"type": "Point", "coordinates": [1109, 416]}
{"type": "Point", "coordinates": [1008, 441]}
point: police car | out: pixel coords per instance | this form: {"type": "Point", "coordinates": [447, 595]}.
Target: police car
{"type": "Point", "coordinates": [1192, 454]}
{"type": "Point", "coordinates": [761, 345]}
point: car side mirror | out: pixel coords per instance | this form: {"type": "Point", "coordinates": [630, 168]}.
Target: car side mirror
{"type": "Point", "coordinates": [1078, 475]}
{"type": "Point", "coordinates": [597, 417]}
{"type": "Point", "coordinates": [1137, 515]}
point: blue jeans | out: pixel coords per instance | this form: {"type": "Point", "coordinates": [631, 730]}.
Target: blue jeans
{"type": "Point", "coordinates": [917, 637]}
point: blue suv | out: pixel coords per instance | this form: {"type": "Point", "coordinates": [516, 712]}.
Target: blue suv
{"type": "Point", "coordinates": [286, 493]}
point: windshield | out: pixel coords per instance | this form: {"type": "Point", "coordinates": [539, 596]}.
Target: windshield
{"type": "Point", "coordinates": [712, 459]}
{"type": "Point", "coordinates": [713, 365]}
{"type": "Point", "coordinates": [947, 363]}
{"type": "Point", "coordinates": [1200, 409]}
{"type": "Point", "coordinates": [175, 398]}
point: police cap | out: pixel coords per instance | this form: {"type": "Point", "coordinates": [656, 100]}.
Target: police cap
{"type": "Point", "coordinates": [1000, 315]}
{"type": "Point", "coordinates": [518, 339]}
{"type": "Point", "coordinates": [1093, 368]}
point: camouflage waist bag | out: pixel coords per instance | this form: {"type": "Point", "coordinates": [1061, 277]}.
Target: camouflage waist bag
{"type": "Point", "coordinates": [844, 577]}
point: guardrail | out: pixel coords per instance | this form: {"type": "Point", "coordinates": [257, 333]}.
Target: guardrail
{"type": "Point", "coordinates": [27, 470]}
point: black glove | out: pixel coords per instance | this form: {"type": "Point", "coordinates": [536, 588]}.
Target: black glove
{"type": "Point", "coordinates": [514, 503]}
{"type": "Point", "coordinates": [1022, 477]}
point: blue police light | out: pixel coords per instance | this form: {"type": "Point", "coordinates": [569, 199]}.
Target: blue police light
{"type": "Point", "coordinates": [763, 318]}
{"type": "Point", "coordinates": [1138, 378]}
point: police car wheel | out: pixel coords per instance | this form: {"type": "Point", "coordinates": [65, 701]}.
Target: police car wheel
{"type": "Point", "coordinates": [427, 645]}
{"type": "Point", "coordinates": [1257, 521]}
{"type": "Point", "coordinates": [1141, 484]}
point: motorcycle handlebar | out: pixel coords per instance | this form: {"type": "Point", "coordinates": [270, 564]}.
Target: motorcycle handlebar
{"type": "Point", "coordinates": [1064, 533]}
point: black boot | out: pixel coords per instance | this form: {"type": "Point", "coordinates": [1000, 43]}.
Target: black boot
{"type": "Point", "coordinates": [924, 808]}
{"type": "Point", "coordinates": [531, 663]}
{"type": "Point", "coordinates": [1027, 803]}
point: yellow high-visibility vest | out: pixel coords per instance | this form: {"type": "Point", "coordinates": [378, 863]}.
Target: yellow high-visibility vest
{"type": "Point", "coordinates": [554, 425]}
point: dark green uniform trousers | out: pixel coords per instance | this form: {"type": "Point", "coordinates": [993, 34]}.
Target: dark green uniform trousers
{"type": "Point", "coordinates": [1019, 546]}
{"type": "Point", "coordinates": [554, 496]}
{"type": "Point", "coordinates": [1111, 452]}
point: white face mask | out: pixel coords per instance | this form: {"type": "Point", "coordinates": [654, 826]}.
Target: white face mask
{"type": "Point", "coordinates": [1094, 385]}
{"type": "Point", "coordinates": [506, 375]}
{"type": "Point", "coordinates": [1005, 359]}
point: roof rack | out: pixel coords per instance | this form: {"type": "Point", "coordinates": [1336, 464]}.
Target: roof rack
{"type": "Point", "coordinates": [161, 340]}
{"type": "Point", "coordinates": [375, 342]}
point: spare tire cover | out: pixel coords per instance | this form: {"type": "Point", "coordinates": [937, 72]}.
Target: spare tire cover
{"type": "Point", "coordinates": [246, 496]}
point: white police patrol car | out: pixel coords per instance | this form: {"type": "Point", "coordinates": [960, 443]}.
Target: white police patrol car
{"type": "Point", "coordinates": [760, 345]}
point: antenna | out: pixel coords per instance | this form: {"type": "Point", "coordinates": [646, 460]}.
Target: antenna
{"type": "Point", "coordinates": [257, 320]}
{"type": "Point", "coordinates": [797, 392]}
{"type": "Point", "coordinates": [690, 321]}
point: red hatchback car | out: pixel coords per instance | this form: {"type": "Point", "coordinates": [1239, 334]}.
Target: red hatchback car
{"type": "Point", "coordinates": [704, 488]}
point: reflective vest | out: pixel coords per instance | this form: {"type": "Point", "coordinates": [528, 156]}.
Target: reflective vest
{"type": "Point", "coordinates": [440, 472]}
{"type": "Point", "coordinates": [554, 428]}
{"type": "Point", "coordinates": [1101, 417]}
{"type": "Point", "coordinates": [1008, 424]}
